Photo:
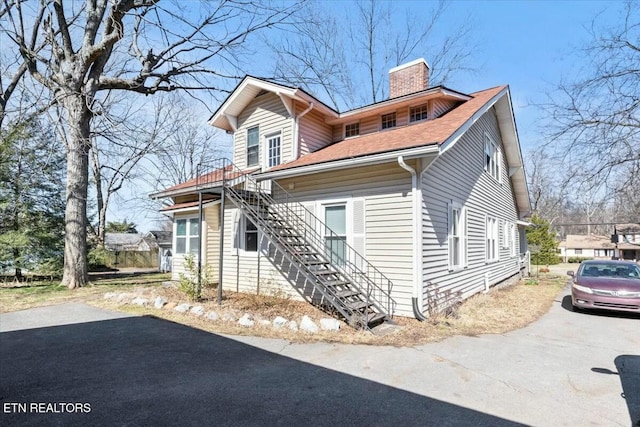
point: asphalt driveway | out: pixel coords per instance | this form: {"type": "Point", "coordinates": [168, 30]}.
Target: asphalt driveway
{"type": "Point", "coordinates": [73, 364]}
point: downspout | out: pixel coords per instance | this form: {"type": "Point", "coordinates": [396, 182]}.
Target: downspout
{"type": "Point", "coordinates": [296, 131]}
{"type": "Point", "coordinates": [416, 191]}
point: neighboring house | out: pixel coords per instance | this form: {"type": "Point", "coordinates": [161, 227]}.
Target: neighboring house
{"type": "Point", "coordinates": [384, 210]}
{"type": "Point", "coordinates": [131, 250]}
{"type": "Point", "coordinates": [627, 241]}
{"type": "Point", "coordinates": [581, 246]}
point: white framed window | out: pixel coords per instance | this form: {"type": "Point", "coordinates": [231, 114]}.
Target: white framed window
{"type": "Point", "coordinates": [492, 158]}
{"type": "Point", "coordinates": [388, 121]}
{"type": "Point", "coordinates": [514, 251]}
{"type": "Point", "coordinates": [253, 146]}
{"type": "Point", "coordinates": [335, 233]}
{"type": "Point", "coordinates": [457, 236]}
{"type": "Point", "coordinates": [250, 236]}
{"type": "Point", "coordinates": [187, 232]}
{"type": "Point", "coordinates": [418, 113]}
{"type": "Point", "coordinates": [491, 240]}
{"type": "Point", "coordinates": [578, 251]}
{"type": "Point", "coordinates": [352, 129]}
{"type": "Point", "coordinates": [273, 149]}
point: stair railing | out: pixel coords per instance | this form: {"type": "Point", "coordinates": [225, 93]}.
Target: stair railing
{"type": "Point", "coordinates": [365, 277]}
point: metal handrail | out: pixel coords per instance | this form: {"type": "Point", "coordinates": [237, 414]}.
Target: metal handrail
{"type": "Point", "coordinates": [364, 276]}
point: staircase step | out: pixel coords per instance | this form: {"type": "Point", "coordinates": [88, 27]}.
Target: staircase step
{"type": "Point", "coordinates": [325, 273]}
{"type": "Point", "coordinates": [375, 318]}
{"type": "Point", "coordinates": [315, 262]}
{"type": "Point", "coordinates": [357, 305]}
{"type": "Point", "coordinates": [346, 293]}
{"type": "Point", "coordinates": [334, 283]}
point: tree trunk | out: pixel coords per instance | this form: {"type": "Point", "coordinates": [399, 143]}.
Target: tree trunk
{"type": "Point", "coordinates": [101, 205]}
{"type": "Point", "coordinates": [75, 238]}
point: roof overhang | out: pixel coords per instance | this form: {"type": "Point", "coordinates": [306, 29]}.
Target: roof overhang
{"type": "Point", "coordinates": [367, 160]}
{"type": "Point", "coordinates": [399, 102]}
{"type": "Point", "coordinates": [226, 117]}
{"type": "Point", "coordinates": [511, 143]}
{"type": "Point", "coordinates": [192, 207]}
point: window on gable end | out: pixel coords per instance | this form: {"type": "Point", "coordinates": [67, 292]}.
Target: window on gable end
{"type": "Point", "coordinates": [352, 129]}
{"type": "Point", "coordinates": [253, 146]}
{"type": "Point", "coordinates": [492, 158]}
{"type": "Point", "coordinates": [388, 121]}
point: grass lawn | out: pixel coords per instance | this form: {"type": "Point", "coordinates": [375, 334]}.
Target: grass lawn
{"type": "Point", "coordinates": [498, 311]}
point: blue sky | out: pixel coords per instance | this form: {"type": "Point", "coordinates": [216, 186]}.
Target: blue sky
{"type": "Point", "coordinates": [529, 45]}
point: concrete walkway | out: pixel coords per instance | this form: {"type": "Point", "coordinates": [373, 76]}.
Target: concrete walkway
{"type": "Point", "coordinates": [566, 369]}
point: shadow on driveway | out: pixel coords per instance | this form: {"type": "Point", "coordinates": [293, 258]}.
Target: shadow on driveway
{"type": "Point", "coordinates": [628, 368]}
{"type": "Point", "coordinates": [147, 371]}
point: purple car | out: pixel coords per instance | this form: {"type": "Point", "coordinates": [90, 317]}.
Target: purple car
{"type": "Point", "coordinates": [606, 285]}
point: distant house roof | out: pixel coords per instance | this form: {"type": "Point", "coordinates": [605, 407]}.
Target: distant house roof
{"type": "Point", "coordinates": [577, 241]}
{"type": "Point", "coordinates": [129, 242]}
{"type": "Point", "coordinates": [627, 229]}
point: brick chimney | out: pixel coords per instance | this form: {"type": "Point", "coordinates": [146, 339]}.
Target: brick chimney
{"type": "Point", "coordinates": [408, 78]}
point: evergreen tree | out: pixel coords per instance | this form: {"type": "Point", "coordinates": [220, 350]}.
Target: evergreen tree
{"type": "Point", "coordinates": [31, 198]}
{"type": "Point", "coordinates": [543, 239]}
{"type": "Point", "coordinates": [121, 227]}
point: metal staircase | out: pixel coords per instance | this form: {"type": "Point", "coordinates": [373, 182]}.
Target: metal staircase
{"type": "Point", "coordinates": [347, 283]}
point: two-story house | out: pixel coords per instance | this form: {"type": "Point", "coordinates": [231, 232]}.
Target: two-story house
{"type": "Point", "coordinates": [384, 210]}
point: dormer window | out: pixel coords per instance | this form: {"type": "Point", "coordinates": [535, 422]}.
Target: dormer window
{"type": "Point", "coordinates": [388, 120]}
{"type": "Point", "coordinates": [418, 113]}
{"type": "Point", "coordinates": [253, 146]}
{"type": "Point", "coordinates": [352, 129]}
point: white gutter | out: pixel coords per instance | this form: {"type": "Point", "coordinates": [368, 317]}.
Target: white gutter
{"type": "Point", "coordinates": [351, 162]}
{"type": "Point", "coordinates": [296, 131]}
{"type": "Point", "coordinates": [416, 192]}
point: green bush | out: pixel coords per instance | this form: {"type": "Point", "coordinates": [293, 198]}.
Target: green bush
{"type": "Point", "coordinates": [188, 283]}
{"type": "Point", "coordinates": [97, 258]}
{"type": "Point", "coordinates": [577, 259]}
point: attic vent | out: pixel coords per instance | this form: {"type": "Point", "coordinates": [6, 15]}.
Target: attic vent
{"type": "Point", "coordinates": [262, 92]}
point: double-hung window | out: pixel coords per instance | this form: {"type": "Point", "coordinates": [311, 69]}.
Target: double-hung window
{"type": "Point", "coordinates": [491, 158]}
{"type": "Point", "coordinates": [335, 218]}
{"type": "Point", "coordinates": [187, 236]}
{"type": "Point", "coordinates": [457, 236]}
{"type": "Point", "coordinates": [253, 146]}
{"type": "Point", "coordinates": [250, 236]}
{"type": "Point", "coordinates": [492, 233]}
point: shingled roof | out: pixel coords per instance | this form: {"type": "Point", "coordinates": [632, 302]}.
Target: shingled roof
{"type": "Point", "coordinates": [430, 132]}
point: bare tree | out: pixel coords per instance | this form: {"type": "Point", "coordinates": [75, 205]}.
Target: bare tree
{"type": "Point", "coordinates": [596, 117]}
{"type": "Point", "coordinates": [77, 50]}
{"type": "Point", "coordinates": [331, 55]}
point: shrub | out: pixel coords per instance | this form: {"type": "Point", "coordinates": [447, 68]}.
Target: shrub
{"type": "Point", "coordinates": [97, 258]}
{"type": "Point", "coordinates": [188, 282]}
{"type": "Point", "coordinates": [577, 259]}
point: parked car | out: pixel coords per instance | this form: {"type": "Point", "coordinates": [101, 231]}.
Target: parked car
{"type": "Point", "coordinates": [606, 285]}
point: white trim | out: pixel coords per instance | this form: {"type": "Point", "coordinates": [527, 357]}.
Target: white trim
{"type": "Point", "coordinates": [409, 64]}
{"type": "Point", "coordinates": [462, 129]}
{"type": "Point", "coordinates": [265, 148]}
{"type": "Point", "coordinates": [190, 208]}
{"type": "Point", "coordinates": [351, 162]}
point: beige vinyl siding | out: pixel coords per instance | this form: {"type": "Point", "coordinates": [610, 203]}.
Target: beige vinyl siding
{"type": "Point", "coordinates": [388, 228]}
{"type": "Point", "coordinates": [337, 133]}
{"type": "Point", "coordinates": [269, 113]}
{"type": "Point", "coordinates": [314, 133]}
{"type": "Point", "coordinates": [212, 239]}
{"type": "Point", "coordinates": [252, 272]}
{"type": "Point", "coordinates": [458, 176]}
